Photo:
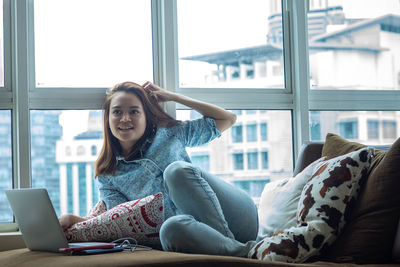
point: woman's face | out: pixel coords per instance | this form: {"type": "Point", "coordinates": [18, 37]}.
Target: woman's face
{"type": "Point", "coordinates": [127, 119]}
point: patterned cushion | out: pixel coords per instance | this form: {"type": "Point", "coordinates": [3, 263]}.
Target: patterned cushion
{"type": "Point", "coordinates": [323, 208]}
{"type": "Point", "coordinates": [140, 219]}
{"type": "Point", "coordinates": [278, 203]}
{"type": "Point", "coordinates": [98, 209]}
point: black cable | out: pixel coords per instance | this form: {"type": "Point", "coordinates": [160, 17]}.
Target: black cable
{"type": "Point", "coordinates": [129, 243]}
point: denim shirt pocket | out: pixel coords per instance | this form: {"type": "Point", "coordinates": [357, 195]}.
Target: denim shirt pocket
{"type": "Point", "coordinates": [150, 167]}
{"type": "Point", "coordinates": [139, 178]}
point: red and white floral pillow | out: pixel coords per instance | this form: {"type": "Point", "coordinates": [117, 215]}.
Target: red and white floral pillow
{"type": "Point", "coordinates": [140, 219]}
{"type": "Point", "coordinates": [322, 211]}
{"type": "Point", "coordinates": [98, 209]}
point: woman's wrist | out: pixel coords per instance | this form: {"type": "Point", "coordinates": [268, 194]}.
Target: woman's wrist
{"type": "Point", "coordinates": [77, 219]}
{"type": "Point", "coordinates": [172, 96]}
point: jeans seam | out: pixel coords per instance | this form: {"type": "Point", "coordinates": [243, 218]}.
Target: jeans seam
{"type": "Point", "coordinates": [197, 173]}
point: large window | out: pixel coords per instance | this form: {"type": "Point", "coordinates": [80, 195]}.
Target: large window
{"type": "Point", "coordinates": [289, 75]}
{"type": "Point", "coordinates": [247, 164]}
{"type": "Point", "coordinates": [372, 127]}
{"type": "Point", "coordinates": [230, 49]}
{"type": "Point", "coordinates": [91, 43]}
{"type": "Point", "coordinates": [354, 44]}
{"type": "Point", "coordinates": [62, 161]}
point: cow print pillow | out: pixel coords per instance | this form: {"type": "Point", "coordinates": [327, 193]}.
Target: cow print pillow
{"type": "Point", "coordinates": [323, 209]}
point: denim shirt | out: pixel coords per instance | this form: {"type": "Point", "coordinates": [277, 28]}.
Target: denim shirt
{"type": "Point", "coordinates": [142, 177]}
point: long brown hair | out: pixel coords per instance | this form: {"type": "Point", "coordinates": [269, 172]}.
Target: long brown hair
{"type": "Point", "coordinates": [155, 117]}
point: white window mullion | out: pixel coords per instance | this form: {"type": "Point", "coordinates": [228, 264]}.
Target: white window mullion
{"type": "Point", "coordinates": [7, 44]}
{"type": "Point", "coordinates": [354, 100]}
{"type": "Point", "coordinates": [6, 96]}
{"type": "Point", "coordinates": [21, 83]}
{"type": "Point", "coordinates": [166, 52]}
{"type": "Point", "coordinates": [157, 9]}
{"type": "Point", "coordinates": [63, 189]}
{"type": "Point", "coordinates": [298, 39]}
{"type": "Point", "coordinates": [89, 186]}
{"type": "Point", "coordinates": [286, 47]}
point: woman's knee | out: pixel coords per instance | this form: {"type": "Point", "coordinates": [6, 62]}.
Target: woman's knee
{"type": "Point", "coordinates": [175, 171]}
{"type": "Point", "coordinates": [173, 232]}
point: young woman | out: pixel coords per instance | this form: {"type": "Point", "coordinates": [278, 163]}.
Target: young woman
{"type": "Point", "coordinates": [144, 153]}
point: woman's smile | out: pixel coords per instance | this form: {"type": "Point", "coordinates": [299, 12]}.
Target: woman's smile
{"type": "Point", "coordinates": [125, 128]}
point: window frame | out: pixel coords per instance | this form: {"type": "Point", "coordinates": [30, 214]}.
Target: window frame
{"type": "Point", "coordinates": [20, 94]}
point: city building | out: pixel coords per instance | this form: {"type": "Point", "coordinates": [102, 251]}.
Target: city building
{"type": "Point", "coordinates": [45, 131]}
{"type": "Point", "coordinates": [5, 164]}
{"type": "Point", "coordinates": [255, 151]}
{"type": "Point", "coordinates": [333, 40]}
{"type": "Point", "coordinates": [78, 190]}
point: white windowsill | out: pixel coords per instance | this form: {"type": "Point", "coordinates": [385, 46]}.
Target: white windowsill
{"type": "Point", "coordinates": [11, 240]}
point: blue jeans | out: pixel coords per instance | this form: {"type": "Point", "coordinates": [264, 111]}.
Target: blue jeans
{"type": "Point", "coordinates": [217, 217]}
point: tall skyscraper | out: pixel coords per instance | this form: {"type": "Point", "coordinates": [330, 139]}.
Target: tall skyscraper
{"type": "Point", "coordinates": [45, 132]}
{"type": "Point", "coordinates": [5, 164]}
{"type": "Point", "coordinates": [76, 157]}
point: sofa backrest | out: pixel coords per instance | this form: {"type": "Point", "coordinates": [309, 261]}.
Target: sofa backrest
{"type": "Point", "coordinates": [311, 151]}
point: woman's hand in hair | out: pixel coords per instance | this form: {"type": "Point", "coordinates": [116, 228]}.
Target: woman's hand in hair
{"type": "Point", "coordinates": [224, 119]}
{"type": "Point", "coordinates": [160, 94]}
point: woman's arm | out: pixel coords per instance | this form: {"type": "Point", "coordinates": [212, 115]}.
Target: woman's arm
{"type": "Point", "coordinates": [224, 119]}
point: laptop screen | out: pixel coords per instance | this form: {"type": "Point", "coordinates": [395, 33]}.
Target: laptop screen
{"type": "Point", "coordinates": [37, 219]}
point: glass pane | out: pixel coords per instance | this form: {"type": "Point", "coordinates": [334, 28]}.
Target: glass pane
{"type": "Point", "coordinates": [1, 47]}
{"type": "Point", "coordinates": [249, 163]}
{"type": "Point", "coordinates": [354, 44]}
{"type": "Point", "coordinates": [64, 147]}
{"type": "Point", "coordinates": [5, 164]}
{"type": "Point", "coordinates": [369, 127]}
{"type": "Point", "coordinates": [92, 43]}
{"type": "Point", "coordinates": [239, 48]}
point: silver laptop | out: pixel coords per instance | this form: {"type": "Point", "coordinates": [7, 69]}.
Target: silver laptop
{"type": "Point", "coordinates": [38, 221]}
